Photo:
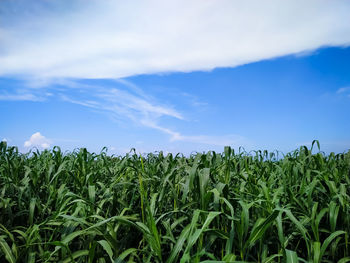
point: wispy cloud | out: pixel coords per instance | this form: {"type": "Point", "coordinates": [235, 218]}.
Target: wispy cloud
{"type": "Point", "coordinates": [19, 96]}
{"type": "Point", "coordinates": [125, 102]}
{"type": "Point", "coordinates": [122, 101]}
{"type": "Point", "coordinates": [120, 104]}
{"type": "Point", "coordinates": [194, 100]}
{"type": "Point", "coordinates": [343, 90]}
{"type": "Point", "coordinates": [223, 140]}
{"type": "Point", "coordinates": [113, 39]}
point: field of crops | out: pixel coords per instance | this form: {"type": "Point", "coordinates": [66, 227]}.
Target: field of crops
{"type": "Point", "coordinates": [213, 207]}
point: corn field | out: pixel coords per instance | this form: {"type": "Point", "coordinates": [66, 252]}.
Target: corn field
{"type": "Point", "coordinates": [209, 207]}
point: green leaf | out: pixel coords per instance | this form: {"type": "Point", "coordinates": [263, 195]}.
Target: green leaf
{"type": "Point", "coordinates": [271, 258]}
{"type": "Point", "coordinates": [75, 255]}
{"type": "Point", "coordinates": [31, 210]}
{"type": "Point", "coordinates": [317, 252]}
{"type": "Point", "coordinates": [229, 258]}
{"type": "Point", "coordinates": [329, 240]}
{"type": "Point", "coordinates": [259, 231]}
{"type": "Point", "coordinates": [125, 253]}
{"type": "Point", "coordinates": [92, 193]}
{"type": "Point", "coordinates": [179, 244]}
{"type": "Point", "coordinates": [344, 260]}
{"type": "Point", "coordinates": [7, 250]}
{"type": "Point", "coordinates": [291, 256]}
{"type": "Point", "coordinates": [107, 248]}
{"type": "Point", "coordinates": [194, 237]}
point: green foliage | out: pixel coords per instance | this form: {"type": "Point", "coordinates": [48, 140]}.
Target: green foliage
{"type": "Point", "coordinates": [208, 207]}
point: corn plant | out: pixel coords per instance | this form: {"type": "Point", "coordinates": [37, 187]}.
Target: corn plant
{"type": "Point", "coordinates": [208, 207]}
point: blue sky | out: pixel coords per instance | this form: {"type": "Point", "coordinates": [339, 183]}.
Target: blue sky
{"type": "Point", "coordinates": [175, 76]}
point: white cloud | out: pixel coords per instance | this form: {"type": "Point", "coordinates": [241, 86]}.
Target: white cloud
{"type": "Point", "coordinates": [38, 140]}
{"type": "Point", "coordinates": [21, 97]}
{"type": "Point", "coordinates": [128, 103]}
{"type": "Point", "coordinates": [143, 110]}
{"type": "Point", "coordinates": [343, 90]}
{"type": "Point", "coordinates": [113, 39]}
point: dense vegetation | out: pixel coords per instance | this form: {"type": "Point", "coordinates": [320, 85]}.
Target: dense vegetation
{"type": "Point", "coordinates": [229, 207]}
